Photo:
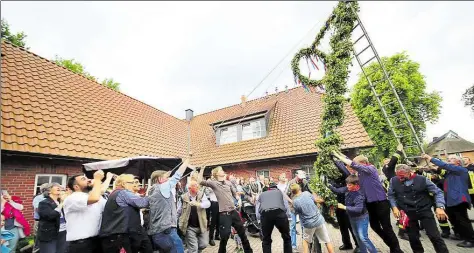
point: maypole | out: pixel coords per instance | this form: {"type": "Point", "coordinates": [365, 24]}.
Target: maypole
{"type": "Point", "coordinates": [336, 63]}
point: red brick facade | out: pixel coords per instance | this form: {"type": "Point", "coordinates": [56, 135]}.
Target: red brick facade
{"type": "Point", "coordinates": [18, 176]}
{"type": "Point", "coordinates": [275, 167]}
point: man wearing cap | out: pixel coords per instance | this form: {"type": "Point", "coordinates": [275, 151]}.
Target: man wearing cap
{"type": "Point", "coordinates": [272, 211]}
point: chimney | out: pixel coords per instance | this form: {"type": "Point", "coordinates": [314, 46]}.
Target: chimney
{"type": "Point", "coordinates": [243, 100]}
{"type": "Point", "coordinates": [189, 114]}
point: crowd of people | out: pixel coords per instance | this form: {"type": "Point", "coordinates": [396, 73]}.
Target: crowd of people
{"type": "Point", "coordinates": [90, 217]}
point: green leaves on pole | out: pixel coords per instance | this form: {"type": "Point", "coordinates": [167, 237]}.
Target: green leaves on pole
{"type": "Point", "coordinates": [337, 64]}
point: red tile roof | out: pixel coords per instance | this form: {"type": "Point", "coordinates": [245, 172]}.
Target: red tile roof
{"type": "Point", "coordinates": [47, 109]}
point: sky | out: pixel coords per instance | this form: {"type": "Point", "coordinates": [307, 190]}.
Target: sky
{"type": "Point", "coordinates": [206, 55]}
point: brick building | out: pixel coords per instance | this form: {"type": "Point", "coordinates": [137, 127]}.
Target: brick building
{"type": "Point", "coordinates": [450, 143]}
{"type": "Point", "coordinates": [53, 121]}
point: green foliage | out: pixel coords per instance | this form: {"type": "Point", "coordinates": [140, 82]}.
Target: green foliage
{"type": "Point", "coordinates": [421, 106]}
{"type": "Point", "coordinates": [78, 68]}
{"type": "Point", "coordinates": [468, 97]}
{"type": "Point", "coordinates": [337, 65]}
{"type": "Point", "coordinates": [17, 39]}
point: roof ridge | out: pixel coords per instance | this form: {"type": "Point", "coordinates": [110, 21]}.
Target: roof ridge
{"type": "Point", "coordinates": [50, 61]}
{"type": "Point", "coordinates": [253, 100]}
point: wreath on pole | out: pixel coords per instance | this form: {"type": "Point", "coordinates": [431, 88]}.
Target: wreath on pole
{"type": "Point", "coordinates": [336, 64]}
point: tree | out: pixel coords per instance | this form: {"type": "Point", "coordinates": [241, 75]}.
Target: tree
{"type": "Point", "coordinates": [421, 106]}
{"type": "Point", "coordinates": [468, 97]}
{"type": "Point", "coordinates": [17, 39]}
{"type": "Point", "coordinates": [78, 68]}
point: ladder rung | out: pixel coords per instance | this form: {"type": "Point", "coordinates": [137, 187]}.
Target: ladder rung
{"type": "Point", "coordinates": [412, 146]}
{"type": "Point", "coordinates": [391, 103]}
{"type": "Point", "coordinates": [383, 93]}
{"type": "Point", "coordinates": [399, 125]}
{"type": "Point", "coordinates": [410, 157]}
{"type": "Point", "coordinates": [363, 35]}
{"type": "Point", "coordinates": [363, 50]}
{"type": "Point", "coordinates": [375, 71]}
{"type": "Point", "coordinates": [401, 136]}
{"type": "Point", "coordinates": [355, 26]}
{"type": "Point", "coordinates": [395, 114]}
{"type": "Point", "coordinates": [368, 61]}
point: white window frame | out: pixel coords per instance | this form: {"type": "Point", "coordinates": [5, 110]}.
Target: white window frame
{"type": "Point", "coordinates": [63, 176]}
{"type": "Point", "coordinates": [228, 129]}
{"type": "Point", "coordinates": [259, 172]}
{"type": "Point", "coordinates": [260, 131]}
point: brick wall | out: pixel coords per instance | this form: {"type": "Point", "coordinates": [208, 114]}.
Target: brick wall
{"type": "Point", "coordinates": [276, 167]}
{"type": "Point", "coordinates": [18, 176]}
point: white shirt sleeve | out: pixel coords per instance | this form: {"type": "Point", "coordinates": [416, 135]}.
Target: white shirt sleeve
{"type": "Point", "coordinates": [76, 202]}
{"type": "Point", "coordinates": [16, 205]}
{"type": "Point", "coordinates": [205, 203]}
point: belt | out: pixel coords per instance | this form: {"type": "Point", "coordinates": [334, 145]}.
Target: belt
{"type": "Point", "coordinates": [270, 209]}
{"type": "Point", "coordinates": [227, 212]}
{"type": "Point", "coordinates": [82, 240]}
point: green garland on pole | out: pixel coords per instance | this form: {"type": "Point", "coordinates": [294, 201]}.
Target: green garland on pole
{"type": "Point", "coordinates": [337, 63]}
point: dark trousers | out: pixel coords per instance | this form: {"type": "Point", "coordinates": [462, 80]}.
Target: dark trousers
{"type": "Point", "coordinates": [214, 222]}
{"type": "Point", "coordinates": [379, 218]}
{"type": "Point", "coordinates": [140, 242]}
{"type": "Point", "coordinates": [89, 245]}
{"type": "Point", "coordinates": [460, 221]}
{"type": "Point", "coordinates": [227, 220]}
{"type": "Point", "coordinates": [428, 221]}
{"type": "Point", "coordinates": [114, 243]}
{"type": "Point", "coordinates": [275, 218]}
{"type": "Point", "coordinates": [345, 227]}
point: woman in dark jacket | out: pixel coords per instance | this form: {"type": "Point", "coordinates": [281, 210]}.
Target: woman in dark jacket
{"type": "Point", "coordinates": [50, 212]}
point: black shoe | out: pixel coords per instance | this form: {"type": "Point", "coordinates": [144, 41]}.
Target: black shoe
{"type": "Point", "coordinates": [403, 236]}
{"type": "Point", "coordinates": [455, 237]}
{"type": "Point", "coordinates": [356, 250]}
{"type": "Point", "coordinates": [445, 235]}
{"type": "Point", "coordinates": [212, 243]}
{"type": "Point", "coordinates": [465, 244]}
{"type": "Point", "coordinates": [345, 247]}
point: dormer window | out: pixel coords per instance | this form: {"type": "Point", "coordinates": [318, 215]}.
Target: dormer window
{"type": "Point", "coordinates": [241, 131]}
{"type": "Point", "coordinates": [228, 134]}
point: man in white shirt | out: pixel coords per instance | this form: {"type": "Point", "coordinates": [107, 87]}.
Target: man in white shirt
{"type": "Point", "coordinates": [83, 210]}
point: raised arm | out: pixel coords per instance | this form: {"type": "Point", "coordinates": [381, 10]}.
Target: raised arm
{"type": "Point", "coordinates": [395, 157]}
{"type": "Point", "coordinates": [96, 193]}
{"type": "Point", "coordinates": [106, 183]}
{"type": "Point", "coordinates": [450, 167]}
{"type": "Point", "coordinates": [339, 190]}
{"type": "Point", "coordinates": [342, 168]}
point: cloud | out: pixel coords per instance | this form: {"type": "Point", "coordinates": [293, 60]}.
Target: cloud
{"type": "Point", "coordinates": [205, 55]}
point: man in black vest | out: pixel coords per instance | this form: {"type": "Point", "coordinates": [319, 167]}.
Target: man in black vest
{"type": "Point", "coordinates": [121, 219]}
{"type": "Point", "coordinates": [412, 193]}
{"type": "Point", "coordinates": [272, 211]}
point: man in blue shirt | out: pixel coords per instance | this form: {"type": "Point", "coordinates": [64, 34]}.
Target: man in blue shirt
{"type": "Point", "coordinates": [457, 197]}
{"type": "Point", "coordinates": [412, 193]}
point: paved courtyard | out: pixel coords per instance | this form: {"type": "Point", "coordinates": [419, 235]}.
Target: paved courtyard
{"type": "Point", "coordinates": [277, 245]}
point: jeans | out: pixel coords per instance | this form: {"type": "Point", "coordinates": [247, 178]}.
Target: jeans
{"type": "Point", "coordinates": [345, 228]}
{"type": "Point", "coordinates": [227, 220]}
{"type": "Point", "coordinates": [360, 227]}
{"type": "Point", "coordinates": [49, 247]}
{"type": "Point", "coordinates": [178, 243]}
{"type": "Point", "coordinates": [163, 242]}
{"type": "Point", "coordinates": [379, 218]}
{"type": "Point", "coordinates": [275, 218]}
{"type": "Point", "coordinates": [196, 240]}
{"type": "Point", "coordinates": [429, 223]}
{"type": "Point", "coordinates": [62, 244]}
{"type": "Point", "coordinates": [460, 220]}
{"type": "Point", "coordinates": [293, 230]}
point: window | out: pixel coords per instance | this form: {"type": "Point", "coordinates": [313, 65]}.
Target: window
{"type": "Point", "coordinates": [306, 168]}
{"type": "Point", "coordinates": [252, 130]}
{"type": "Point", "coordinates": [241, 131]}
{"type": "Point", "coordinates": [228, 135]}
{"type": "Point", "coordinates": [48, 178]}
{"type": "Point", "coordinates": [265, 173]}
